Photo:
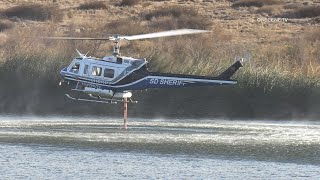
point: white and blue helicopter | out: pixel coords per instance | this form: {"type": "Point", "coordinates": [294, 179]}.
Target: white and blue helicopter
{"type": "Point", "coordinates": [113, 78]}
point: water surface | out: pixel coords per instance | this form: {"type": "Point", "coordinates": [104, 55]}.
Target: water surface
{"type": "Point", "coordinates": [73, 148]}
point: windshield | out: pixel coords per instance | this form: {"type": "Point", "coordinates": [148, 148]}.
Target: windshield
{"type": "Point", "coordinates": [75, 68]}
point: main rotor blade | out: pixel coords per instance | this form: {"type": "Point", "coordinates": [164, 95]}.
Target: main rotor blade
{"type": "Point", "coordinates": [77, 38]}
{"type": "Point", "coordinates": [164, 34]}
{"type": "Point", "coordinates": [177, 32]}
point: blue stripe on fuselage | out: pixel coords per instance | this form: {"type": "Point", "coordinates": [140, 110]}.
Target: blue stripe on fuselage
{"type": "Point", "coordinates": [153, 82]}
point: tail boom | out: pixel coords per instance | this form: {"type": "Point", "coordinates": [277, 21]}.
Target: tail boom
{"type": "Point", "coordinates": [168, 80]}
{"type": "Point", "coordinates": [163, 80]}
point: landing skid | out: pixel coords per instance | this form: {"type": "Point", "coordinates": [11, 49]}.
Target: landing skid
{"type": "Point", "coordinates": [99, 99]}
{"type": "Point", "coordinates": [104, 101]}
{"type": "Point", "coordinates": [129, 100]}
{"type": "Point", "coordinates": [109, 101]}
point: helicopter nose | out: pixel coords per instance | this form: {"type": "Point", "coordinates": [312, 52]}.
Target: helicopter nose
{"type": "Point", "coordinates": [63, 71]}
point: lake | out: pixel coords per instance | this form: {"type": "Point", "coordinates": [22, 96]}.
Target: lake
{"type": "Point", "coordinates": [99, 148]}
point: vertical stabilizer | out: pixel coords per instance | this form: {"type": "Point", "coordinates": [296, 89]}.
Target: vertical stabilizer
{"type": "Point", "coordinates": [226, 75]}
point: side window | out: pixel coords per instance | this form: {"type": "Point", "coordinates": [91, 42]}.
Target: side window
{"type": "Point", "coordinates": [119, 60]}
{"type": "Point", "coordinates": [109, 73]}
{"type": "Point", "coordinates": [75, 68]}
{"type": "Point", "coordinates": [86, 68]}
{"type": "Point", "coordinates": [96, 71]}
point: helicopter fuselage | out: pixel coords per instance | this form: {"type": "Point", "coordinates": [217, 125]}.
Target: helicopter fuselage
{"type": "Point", "coordinates": [115, 76]}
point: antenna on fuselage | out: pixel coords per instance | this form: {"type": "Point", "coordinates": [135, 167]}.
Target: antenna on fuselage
{"type": "Point", "coordinates": [82, 55]}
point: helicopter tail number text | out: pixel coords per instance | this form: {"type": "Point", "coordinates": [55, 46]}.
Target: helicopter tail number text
{"type": "Point", "coordinates": [168, 82]}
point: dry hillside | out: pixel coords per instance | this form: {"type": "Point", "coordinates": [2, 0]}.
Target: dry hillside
{"type": "Point", "coordinates": [240, 20]}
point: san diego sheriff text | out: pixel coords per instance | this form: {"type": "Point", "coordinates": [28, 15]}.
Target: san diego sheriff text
{"type": "Point", "coordinates": [170, 82]}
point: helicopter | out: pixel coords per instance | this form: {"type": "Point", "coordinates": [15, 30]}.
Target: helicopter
{"type": "Point", "coordinates": [112, 79]}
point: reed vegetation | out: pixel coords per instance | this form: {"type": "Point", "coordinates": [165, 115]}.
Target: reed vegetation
{"type": "Point", "coordinates": [282, 77]}
{"type": "Point", "coordinates": [285, 66]}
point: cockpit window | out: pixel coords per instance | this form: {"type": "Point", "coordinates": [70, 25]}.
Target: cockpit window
{"type": "Point", "coordinates": [109, 73]}
{"type": "Point", "coordinates": [75, 68]}
{"type": "Point", "coordinates": [96, 71]}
